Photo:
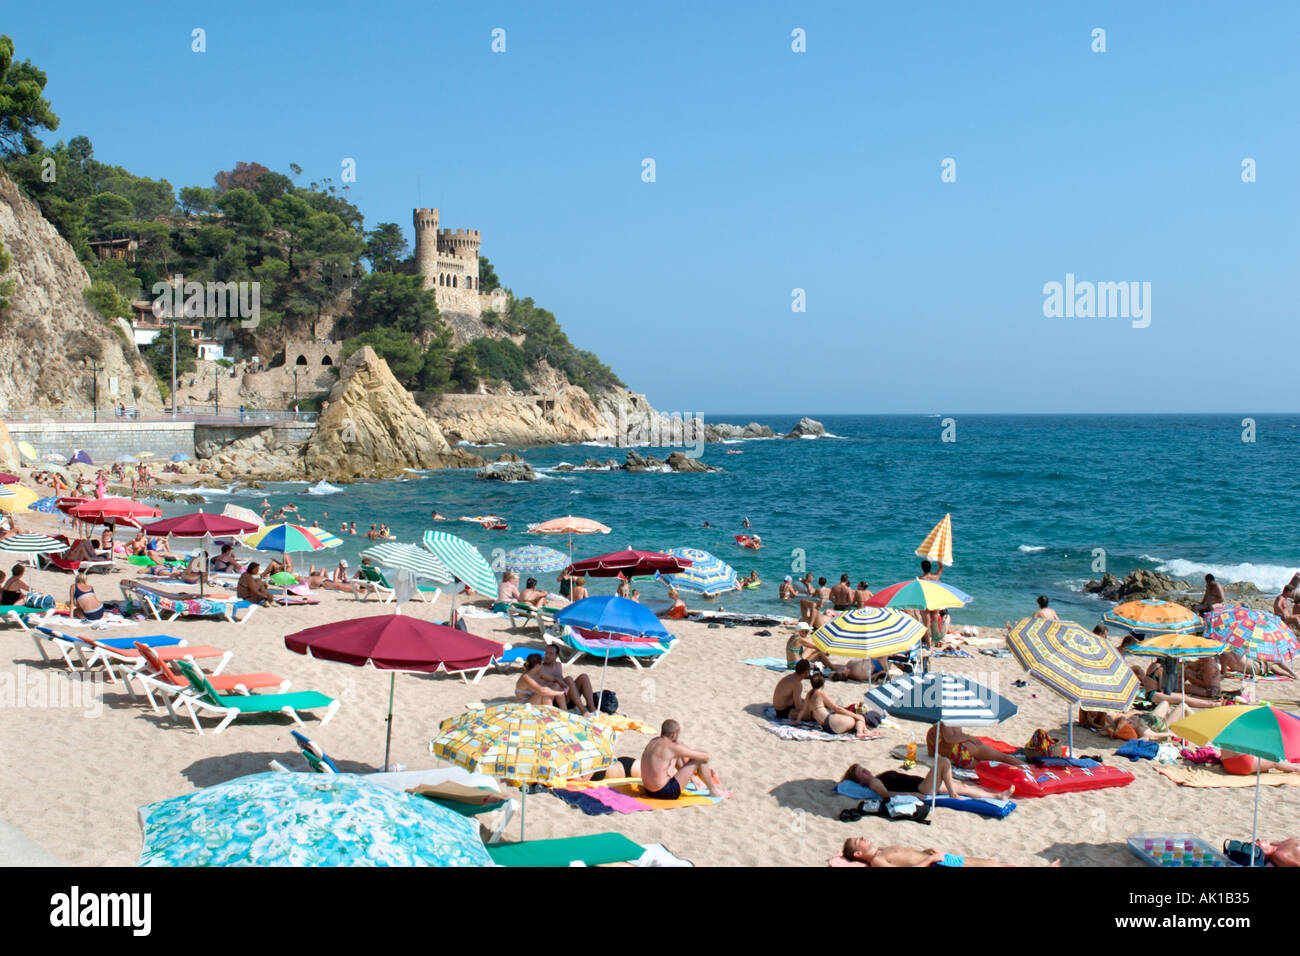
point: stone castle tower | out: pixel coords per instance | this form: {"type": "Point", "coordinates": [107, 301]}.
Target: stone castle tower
{"type": "Point", "coordinates": [449, 263]}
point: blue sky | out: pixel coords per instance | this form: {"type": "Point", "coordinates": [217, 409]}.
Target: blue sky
{"type": "Point", "coordinates": [775, 170]}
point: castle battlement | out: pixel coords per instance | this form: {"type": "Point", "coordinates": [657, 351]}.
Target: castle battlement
{"type": "Point", "coordinates": [448, 261]}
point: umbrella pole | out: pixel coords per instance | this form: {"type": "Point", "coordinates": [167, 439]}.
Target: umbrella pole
{"type": "Point", "coordinates": [1069, 723]}
{"type": "Point", "coordinates": [603, 667]}
{"type": "Point", "coordinates": [523, 810]}
{"type": "Point", "coordinates": [388, 738]}
{"type": "Point", "coordinates": [938, 755]}
{"type": "Point", "coordinates": [1254, 827]}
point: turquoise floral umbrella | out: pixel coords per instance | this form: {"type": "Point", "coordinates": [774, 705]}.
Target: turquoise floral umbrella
{"type": "Point", "coordinates": [306, 819]}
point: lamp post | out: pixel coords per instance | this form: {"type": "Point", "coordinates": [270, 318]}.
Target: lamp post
{"type": "Point", "coordinates": [173, 368]}
{"type": "Point", "coordinates": [216, 390]}
{"type": "Point", "coordinates": [94, 391]}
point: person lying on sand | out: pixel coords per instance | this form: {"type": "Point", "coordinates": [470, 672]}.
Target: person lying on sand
{"type": "Point", "coordinates": [1284, 853]}
{"type": "Point", "coordinates": [787, 696]}
{"type": "Point", "coordinates": [891, 783]}
{"type": "Point", "coordinates": [1245, 765]}
{"type": "Point", "coordinates": [668, 766]}
{"type": "Point", "coordinates": [859, 669]}
{"type": "Point", "coordinates": [1142, 724]}
{"type": "Point", "coordinates": [820, 708]}
{"type": "Point", "coordinates": [964, 750]}
{"type": "Point", "coordinates": [862, 850]}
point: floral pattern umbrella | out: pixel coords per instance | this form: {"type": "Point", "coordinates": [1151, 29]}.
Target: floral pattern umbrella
{"type": "Point", "coordinates": [306, 819]}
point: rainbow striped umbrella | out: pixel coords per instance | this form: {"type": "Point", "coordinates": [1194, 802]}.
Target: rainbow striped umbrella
{"type": "Point", "coordinates": [1256, 634]}
{"type": "Point", "coordinates": [1261, 731]}
{"type": "Point", "coordinates": [937, 545]}
{"type": "Point", "coordinates": [868, 632]}
{"type": "Point", "coordinates": [326, 538]}
{"type": "Point", "coordinates": [920, 593]}
{"type": "Point", "coordinates": [1151, 615]}
{"type": "Point", "coordinates": [708, 575]}
{"type": "Point", "coordinates": [283, 538]}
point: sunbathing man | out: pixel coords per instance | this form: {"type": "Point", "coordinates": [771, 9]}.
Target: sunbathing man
{"type": "Point", "coordinates": [787, 696]}
{"type": "Point", "coordinates": [533, 595]}
{"type": "Point", "coordinates": [1203, 678]}
{"type": "Point", "coordinates": [319, 579]}
{"type": "Point", "coordinates": [1285, 853]}
{"type": "Point", "coordinates": [1150, 678]}
{"type": "Point", "coordinates": [252, 588]}
{"type": "Point", "coordinates": [862, 850]}
{"type": "Point", "coordinates": [159, 551]}
{"type": "Point", "coordinates": [668, 766]}
{"type": "Point", "coordinates": [579, 689]}
{"type": "Point", "coordinates": [891, 783]}
{"type": "Point", "coordinates": [1045, 612]}
{"type": "Point", "coordinates": [139, 544]}
{"type": "Point", "coordinates": [964, 750]}
{"type": "Point", "coordinates": [533, 688]}
{"type": "Point", "coordinates": [1213, 596]}
{"type": "Point", "coordinates": [820, 708]}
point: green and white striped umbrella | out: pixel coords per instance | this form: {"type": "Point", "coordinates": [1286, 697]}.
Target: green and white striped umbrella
{"type": "Point", "coordinates": [31, 543]}
{"type": "Point", "coordinates": [463, 560]}
{"type": "Point", "coordinates": [407, 557]}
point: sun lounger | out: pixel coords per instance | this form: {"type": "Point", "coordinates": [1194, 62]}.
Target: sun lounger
{"type": "Point", "coordinates": [642, 654]}
{"type": "Point", "coordinates": [103, 561]}
{"type": "Point", "coordinates": [377, 583]}
{"type": "Point", "coordinates": [543, 617]}
{"type": "Point", "coordinates": [595, 849]}
{"type": "Point", "coordinates": [205, 699]}
{"type": "Point", "coordinates": [159, 602]}
{"type": "Point", "coordinates": [92, 652]}
{"type": "Point", "coordinates": [153, 673]}
{"type": "Point", "coordinates": [16, 613]}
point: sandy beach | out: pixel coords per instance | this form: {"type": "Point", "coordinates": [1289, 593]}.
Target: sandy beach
{"type": "Point", "coordinates": [72, 777]}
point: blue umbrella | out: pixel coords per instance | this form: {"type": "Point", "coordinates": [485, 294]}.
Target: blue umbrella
{"type": "Point", "coordinates": [306, 819]}
{"type": "Point", "coordinates": [613, 615]}
{"type": "Point", "coordinates": [180, 456]}
{"type": "Point", "coordinates": [79, 456]}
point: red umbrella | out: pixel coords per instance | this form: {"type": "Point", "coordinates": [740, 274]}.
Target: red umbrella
{"type": "Point", "coordinates": [102, 510]}
{"type": "Point", "coordinates": [6, 479]}
{"type": "Point", "coordinates": [392, 642]}
{"type": "Point", "coordinates": [629, 564]}
{"type": "Point", "coordinates": [199, 525]}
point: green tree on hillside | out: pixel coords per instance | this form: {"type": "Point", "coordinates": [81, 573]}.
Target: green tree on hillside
{"type": "Point", "coordinates": [6, 285]}
{"type": "Point", "coordinates": [386, 247]}
{"type": "Point", "coordinates": [24, 111]}
{"type": "Point", "coordinates": [487, 276]}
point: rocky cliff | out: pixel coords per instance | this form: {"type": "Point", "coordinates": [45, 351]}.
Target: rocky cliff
{"type": "Point", "coordinates": [566, 414]}
{"type": "Point", "coordinates": [372, 428]}
{"type": "Point", "coordinates": [49, 336]}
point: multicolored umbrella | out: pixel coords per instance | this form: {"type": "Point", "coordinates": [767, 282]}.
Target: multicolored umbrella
{"type": "Point", "coordinates": [1180, 646]}
{"type": "Point", "coordinates": [920, 593]}
{"type": "Point", "coordinates": [284, 538]}
{"type": "Point", "coordinates": [1256, 634]}
{"type": "Point", "coordinates": [243, 514]}
{"type": "Point", "coordinates": [868, 632]}
{"type": "Point", "coordinates": [1079, 665]}
{"type": "Point", "coordinates": [937, 545]}
{"type": "Point", "coordinates": [523, 744]}
{"type": "Point", "coordinates": [534, 559]}
{"type": "Point", "coordinates": [395, 643]}
{"type": "Point", "coordinates": [1262, 731]}
{"type": "Point", "coordinates": [708, 575]}
{"type": "Point", "coordinates": [31, 543]}
{"type": "Point", "coordinates": [407, 557]}
{"type": "Point", "coordinates": [1153, 616]}
{"type": "Point", "coordinates": [464, 562]}
{"type": "Point", "coordinates": [306, 819]}
{"type": "Point", "coordinates": [328, 538]}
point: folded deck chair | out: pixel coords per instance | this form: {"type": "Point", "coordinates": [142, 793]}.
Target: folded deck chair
{"type": "Point", "coordinates": [315, 755]}
{"type": "Point", "coordinates": [643, 654]}
{"type": "Point", "coordinates": [205, 699]}
{"type": "Point", "coordinates": [595, 849]}
{"type": "Point", "coordinates": [94, 652]}
{"type": "Point", "coordinates": [153, 673]}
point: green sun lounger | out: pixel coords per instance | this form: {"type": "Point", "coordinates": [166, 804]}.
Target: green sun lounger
{"type": "Point", "coordinates": [205, 699]}
{"type": "Point", "coordinates": [594, 849]}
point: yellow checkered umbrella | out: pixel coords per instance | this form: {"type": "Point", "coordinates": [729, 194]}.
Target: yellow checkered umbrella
{"type": "Point", "coordinates": [523, 744]}
{"type": "Point", "coordinates": [937, 545]}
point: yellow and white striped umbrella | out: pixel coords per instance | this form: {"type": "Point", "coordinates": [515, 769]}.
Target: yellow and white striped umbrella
{"type": "Point", "coordinates": [937, 545]}
{"type": "Point", "coordinates": [868, 632]}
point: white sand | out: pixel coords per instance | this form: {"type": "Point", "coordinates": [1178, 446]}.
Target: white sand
{"type": "Point", "coordinates": [72, 782]}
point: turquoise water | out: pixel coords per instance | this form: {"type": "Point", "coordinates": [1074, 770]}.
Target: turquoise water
{"type": "Point", "coordinates": [1031, 497]}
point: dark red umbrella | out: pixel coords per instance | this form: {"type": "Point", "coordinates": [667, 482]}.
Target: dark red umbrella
{"type": "Point", "coordinates": [629, 564]}
{"type": "Point", "coordinates": [199, 525]}
{"type": "Point", "coordinates": [7, 479]}
{"type": "Point", "coordinates": [393, 642]}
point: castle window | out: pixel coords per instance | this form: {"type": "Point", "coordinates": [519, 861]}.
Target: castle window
{"type": "Point", "coordinates": [302, 360]}
{"type": "Point", "coordinates": [326, 360]}
{"type": "Point", "coordinates": [453, 281]}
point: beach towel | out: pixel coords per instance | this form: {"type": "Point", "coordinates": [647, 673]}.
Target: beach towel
{"type": "Point", "coordinates": [691, 797]}
{"type": "Point", "coordinates": [1206, 755]}
{"type": "Point", "coordinates": [900, 753]}
{"type": "Point", "coordinates": [985, 807]}
{"type": "Point", "coordinates": [769, 663]}
{"type": "Point", "coordinates": [1205, 777]}
{"type": "Point", "coordinates": [1235, 675]}
{"type": "Point", "coordinates": [621, 724]}
{"type": "Point", "coordinates": [841, 861]}
{"type": "Point", "coordinates": [583, 800]}
{"type": "Point", "coordinates": [1137, 750]}
{"type": "Point", "coordinates": [953, 653]}
{"type": "Point", "coordinates": [806, 730]}
{"type": "Point", "coordinates": [1064, 762]}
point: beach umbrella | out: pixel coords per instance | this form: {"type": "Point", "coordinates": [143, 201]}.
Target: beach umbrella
{"type": "Point", "coordinates": [200, 525]}
{"type": "Point", "coordinates": [7, 479]}
{"type": "Point", "coordinates": [1262, 731]}
{"type": "Point", "coordinates": [464, 562]}
{"type": "Point", "coordinates": [937, 545]}
{"type": "Point", "coordinates": [79, 457]}
{"type": "Point", "coordinates": [144, 454]}
{"type": "Point", "coordinates": [29, 452]}
{"type": "Point", "coordinates": [1255, 634]}
{"type": "Point", "coordinates": [707, 575]}
{"type": "Point", "coordinates": [327, 538]}
{"type": "Point", "coordinates": [569, 525]}
{"type": "Point", "coordinates": [523, 744]}
{"type": "Point", "coordinates": [531, 560]}
{"type": "Point", "coordinates": [180, 456]}
{"type": "Point", "coordinates": [1079, 665]}
{"type": "Point", "coordinates": [612, 617]}
{"type": "Point", "coordinates": [32, 543]}
{"type": "Point", "coordinates": [937, 698]}
{"type": "Point", "coordinates": [306, 819]}
{"type": "Point", "coordinates": [126, 458]}
{"type": "Point", "coordinates": [921, 594]}
{"type": "Point", "coordinates": [284, 538]}
{"type": "Point", "coordinates": [16, 499]}
{"type": "Point", "coordinates": [392, 642]}
{"type": "Point", "coordinates": [407, 557]}
{"type": "Point", "coordinates": [1179, 647]}
{"type": "Point", "coordinates": [868, 632]}
{"type": "Point", "coordinates": [112, 510]}
{"type": "Point", "coordinates": [1151, 616]}
{"type": "Point", "coordinates": [630, 564]}
{"type": "Point", "coordinates": [243, 514]}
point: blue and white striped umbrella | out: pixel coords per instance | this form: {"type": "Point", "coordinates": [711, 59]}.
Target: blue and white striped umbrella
{"type": "Point", "coordinates": [534, 559]}
{"type": "Point", "coordinates": [463, 560]}
{"type": "Point", "coordinates": [707, 575]}
{"type": "Point", "coordinates": [951, 698]}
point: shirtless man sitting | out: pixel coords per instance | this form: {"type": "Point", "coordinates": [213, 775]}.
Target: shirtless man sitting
{"type": "Point", "coordinates": [1045, 612]}
{"type": "Point", "coordinates": [533, 595]}
{"type": "Point", "coordinates": [821, 709]}
{"type": "Point", "coordinates": [668, 766]}
{"type": "Point", "coordinates": [892, 783]}
{"type": "Point", "coordinates": [1213, 596]}
{"type": "Point", "coordinates": [787, 696]}
{"type": "Point", "coordinates": [579, 690]}
{"type": "Point", "coordinates": [862, 850]}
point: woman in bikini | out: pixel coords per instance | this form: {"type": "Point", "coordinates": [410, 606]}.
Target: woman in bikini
{"type": "Point", "coordinates": [15, 589]}
{"type": "Point", "coordinates": [529, 689]}
{"type": "Point", "coordinates": [834, 719]}
{"type": "Point", "coordinates": [892, 783]}
{"type": "Point", "coordinates": [82, 599]}
{"type": "Point", "coordinates": [964, 750]}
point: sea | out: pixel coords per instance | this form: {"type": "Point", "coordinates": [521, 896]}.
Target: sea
{"type": "Point", "coordinates": [1040, 504]}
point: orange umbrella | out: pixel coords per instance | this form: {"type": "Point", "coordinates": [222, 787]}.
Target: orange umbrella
{"type": "Point", "coordinates": [569, 525]}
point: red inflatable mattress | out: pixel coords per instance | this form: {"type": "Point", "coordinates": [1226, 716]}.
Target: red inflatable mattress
{"type": "Point", "coordinates": [1031, 781]}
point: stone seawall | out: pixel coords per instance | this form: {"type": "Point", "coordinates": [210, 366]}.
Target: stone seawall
{"type": "Point", "coordinates": [104, 441]}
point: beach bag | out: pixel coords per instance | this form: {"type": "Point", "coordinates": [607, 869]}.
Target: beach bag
{"type": "Point", "coordinates": [900, 807]}
{"type": "Point", "coordinates": [607, 701]}
{"type": "Point", "coordinates": [39, 600]}
{"type": "Point", "coordinates": [1043, 744]}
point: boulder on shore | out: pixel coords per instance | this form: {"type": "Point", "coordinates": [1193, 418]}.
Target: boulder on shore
{"type": "Point", "coordinates": [724, 431]}
{"type": "Point", "coordinates": [806, 428]}
{"type": "Point", "coordinates": [507, 471]}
